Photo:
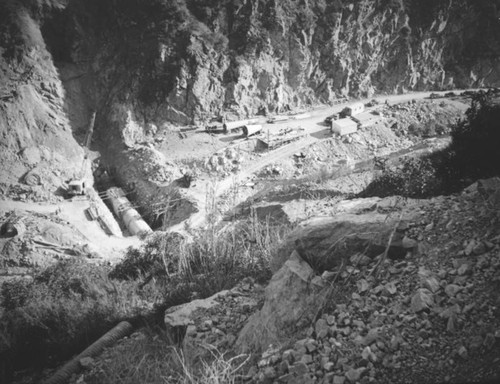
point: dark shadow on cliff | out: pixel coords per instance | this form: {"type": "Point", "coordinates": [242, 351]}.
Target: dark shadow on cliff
{"type": "Point", "coordinates": [472, 155]}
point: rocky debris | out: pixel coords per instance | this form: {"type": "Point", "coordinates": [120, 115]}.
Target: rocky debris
{"type": "Point", "coordinates": [153, 165]}
{"type": "Point", "coordinates": [226, 162]}
{"type": "Point", "coordinates": [290, 302]}
{"type": "Point", "coordinates": [25, 193]}
{"type": "Point", "coordinates": [421, 119]}
{"type": "Point", "coordinates": [42, 240]}
{"type": "Point", "coordinates": [351, 325]}
{"type": "Point", "coordinates": [210, 325]}
{"type": "Point", "coordinates": [432, 316]}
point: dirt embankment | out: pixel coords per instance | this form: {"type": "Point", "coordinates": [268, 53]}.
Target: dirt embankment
{"type": "Point", "coordinates": [38, 150]}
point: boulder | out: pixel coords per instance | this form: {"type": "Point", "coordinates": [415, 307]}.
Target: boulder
{"type": "Point", "coordinates": [325, 242]}
{"type": "Point", "coordinates": [179, 317]}
{"type": "Point", "coordinates": [206, 325]}
{"type": "Point", "coordinates": [291, 302]}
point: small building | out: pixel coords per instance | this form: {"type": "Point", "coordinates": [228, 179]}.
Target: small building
{"type": "Point", "coordinates": [354, 109]}
{"type": "Point", "coordinates": [76, 187]}
{"type": "Point", "coordinates": [344, 126]}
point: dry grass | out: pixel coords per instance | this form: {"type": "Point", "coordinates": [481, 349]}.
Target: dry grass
{"type": "Point", "coordinates": [149, 359]}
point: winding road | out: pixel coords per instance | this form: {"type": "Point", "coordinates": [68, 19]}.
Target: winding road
{"type": "Point", "coordinates": [314, 131]}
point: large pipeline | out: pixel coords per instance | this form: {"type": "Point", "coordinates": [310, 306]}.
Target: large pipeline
{"type": "Point", "coordinates": [124, 210]}
{"type": "Point", "coordinates": [230, 125]}
{"type": "Point", "coordinates": [251, 129]}
{"type": "Point", "coordinates": [64, 374]}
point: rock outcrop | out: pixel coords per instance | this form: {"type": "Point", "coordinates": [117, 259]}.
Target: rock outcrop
{"type": "Point", "coordinates": [186, 61]}
{"type": "Point", "coordinates": [207, 327]}
{"type": "Point", "coordinates": [291, 303]}
{"type": "Point", "coordinates": [364, 227]}
{"type": "Point", "coordinates": [37, 146]}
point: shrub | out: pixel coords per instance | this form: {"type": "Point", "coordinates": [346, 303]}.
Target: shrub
{"type": "Point", "coordinates": [15, 293]}
{"type": "Point", "coordinates": [147, 359]}
{"type": "Point", "coordinates": [473, 154]}
{"type": "Point", "coordinates": [416, 178]}
{"type": "Point", "coordinates": [62, 310]}
{"type": "Point", "coordinates": [476, 139]}
{"type": "Point", "coordinates": [212, 261]}
{"type": "Point", "coordinates": [158, 255]}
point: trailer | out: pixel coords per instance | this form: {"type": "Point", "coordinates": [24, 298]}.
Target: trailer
{"type": "Point", "coordinates": [353, 109]}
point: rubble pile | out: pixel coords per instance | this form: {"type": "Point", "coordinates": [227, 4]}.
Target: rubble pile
{"type": "Point", "coordinates": [417, 119]}
{"type": "Point", "coordinates": [226, 162]}
{"type": "Point", "coordinates": [431, 317]}
{"type": "Point", "coordinates": [214, 324]}
{"type": "Point", "coordinates": [35, 193]}
{"type": "Point", "coordinates": [45, 239]}
{"type": "Point", "coordinates": [153, 164]}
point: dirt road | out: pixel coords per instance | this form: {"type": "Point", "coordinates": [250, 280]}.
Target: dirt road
{"type": "Point", "coordinates": [314, 129]}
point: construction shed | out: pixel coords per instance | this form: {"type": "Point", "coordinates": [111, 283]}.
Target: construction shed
{"type": "Point", "coordinates": [354, 109]}
{"type": "Point", "coordinates": [344, 126]}
{"type": "Point", "coordinates": [251, 129]}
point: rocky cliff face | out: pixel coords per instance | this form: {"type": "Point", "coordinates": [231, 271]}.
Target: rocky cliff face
{"type": "Point", "coordinates": [36, 145]}
{"type": "Point", "coordinates": [187, 60]}
{"type": "Point", "coordinates": [144, 65]}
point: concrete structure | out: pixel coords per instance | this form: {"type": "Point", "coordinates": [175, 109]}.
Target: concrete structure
{"type": "Point", "coordinates": [344, 126]}
{"type": "Point", "coordinates": [354, 109]}
{"type": "Point", "coordinates": [76, 187]}
{"type": "Point", "coordinates": [124, 210]}
{"type": "Point", "coordinates": [252, 129]}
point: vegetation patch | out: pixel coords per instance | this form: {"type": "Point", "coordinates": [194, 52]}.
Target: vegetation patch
{"type": "Point", "coordinates": [209, 263]}
{"type": "Point", "coordinates": [61, 310]}
{"type": "Point", "coordinates": [473, 154]}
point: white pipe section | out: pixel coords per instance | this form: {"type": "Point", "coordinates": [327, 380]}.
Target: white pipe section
{"type": "Point", "coordinates": [124, 210]}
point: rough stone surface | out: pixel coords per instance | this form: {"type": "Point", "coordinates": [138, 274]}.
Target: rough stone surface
{"type": "Point", "coordinates": [290, 302]}
{"type": "Point", "coordinates": [326, 242]}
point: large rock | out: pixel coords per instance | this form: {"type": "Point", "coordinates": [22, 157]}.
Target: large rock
{"type": "Point", "coordinates": [204, 326]}
{"type": "Point", "coordinates": [325, 242]}
{"type": "Point", "coordinates": [291, 302]}
{"type": "Point", "coordinates": [179, 317]}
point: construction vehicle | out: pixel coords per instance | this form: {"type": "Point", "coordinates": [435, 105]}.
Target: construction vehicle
{"type": "Point", "coordinates": [77, 186]}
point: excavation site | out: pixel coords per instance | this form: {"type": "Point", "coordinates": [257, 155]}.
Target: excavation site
{"type": "Point", "coordinates": [249, 191]}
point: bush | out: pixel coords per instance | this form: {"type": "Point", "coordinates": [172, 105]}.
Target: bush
{"type": "Point", "coordinates": [209, 263]}
{"type": "Point", "coordinates": [150, 359]}
{"type": "Point", "coordinates": [61, 311]}
{"type": "Point", "coordinates": [159, 255]}
{"type": "Point", "coordinates": [476, 139]}
{"type": "Point", "coordinates": [416, 178]}
{"type": "Point", "coordinates": [473, 154]}
{"type": "Point", "coordinates": [15, 293]}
